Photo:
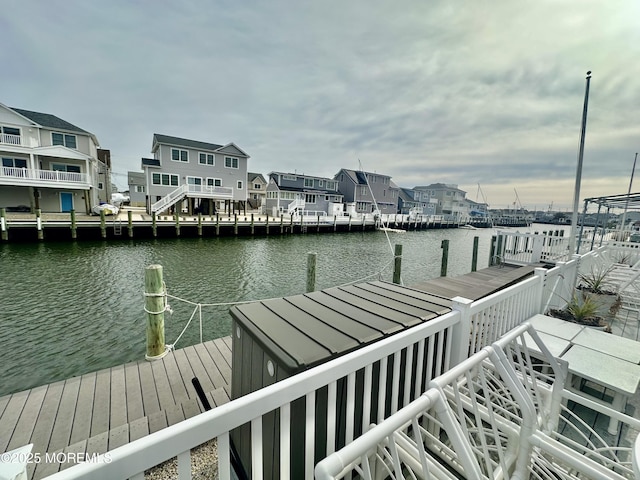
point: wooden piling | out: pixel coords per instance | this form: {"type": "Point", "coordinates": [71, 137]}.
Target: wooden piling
{"type": "Point", "coordinates": [177, 219]}
{"type": "Point", "coordinates": [130, 223]}
{"type": "Point", "coordinates": [4, 230]}
{"type": "Point", "coordinates": [154, 306]}
{"type": "Point", "coordinates": [318, 224]}
{"type": "Point", "coordinates": [291, 223]}
{"type": "Point", "coordinates": [217, 224]}
{"type": "Point", "coordinates": [474, 256]}
{"type": "Point", "coordinates": [235, 224]}
{"type": "Point", "coordinates": [281, 224]}
{"type": "Point", "coordinates": [335, 223]}
{"type": "Point", "coordinates": [74, 227]}
{"type": "Point", "coordinates": [154, 226]}
{"type": "Point", "coordinates": [252, 226]}
{"type": "Point", "coordinates": [397, 263]}
{"type": "Point", "coordinates": [103, 225]}
{"type": "Point", "coordinates": [266, 225]}
{"type": "Point", "coordinates": [311, 271]}
{"type": "Point", "coordinates": [39, 224]}
{"type": "Point", "coordinates": [199, 224]}
{"type": "Point", "coordinates": [445, 257]}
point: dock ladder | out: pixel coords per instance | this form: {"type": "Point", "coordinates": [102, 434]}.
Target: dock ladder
{"type": "Point", "coordinates": [117, 227]}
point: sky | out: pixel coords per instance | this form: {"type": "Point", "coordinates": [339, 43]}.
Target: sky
{"type": "Point", "coordinates": [484, 94]}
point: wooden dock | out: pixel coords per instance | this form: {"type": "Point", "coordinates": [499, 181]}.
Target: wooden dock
{"type": "Point", "coordinates": [103, 410]}
{"type": "Point", "coordinates": [100, 411]}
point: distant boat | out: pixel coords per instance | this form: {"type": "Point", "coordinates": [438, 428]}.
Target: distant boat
{"type": "Point", "coordinates": [468, 227]}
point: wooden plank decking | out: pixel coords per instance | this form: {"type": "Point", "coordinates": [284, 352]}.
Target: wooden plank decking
{"type": "Point", "coordinates": [100, 411]}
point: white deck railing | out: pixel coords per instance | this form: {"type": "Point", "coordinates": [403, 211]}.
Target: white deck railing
{"type": "Point", "coordinates": [10, 139]}
{"type": "Point", "coordinates": [209, 191]}
{"type": "Point", "coordinates": [20, 175]}
{"type": "Point", "coordinates": [527, 248]}
{"type": "Point", "coordinates": [377, 380]}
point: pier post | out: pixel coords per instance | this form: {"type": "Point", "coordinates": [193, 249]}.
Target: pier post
{"type": "Point", "coordinates": [364, 220]}
{"type": "Point", "coordinates": [177, 218]}
{"type": "Point", "coordinates": [199, 224]}
{"type": "Point", "coordinates": [281, 224]}
{"type": "Point", "coordinates": [235, 224]}
{"type": "Point", "coordinates": [349, 222]}
{"type": "Point", "coordinates": [154, 306]}
{"type": "Point", "coordinates": [154, 226]}
{"type": "Point", "coordinates": [318, 229]}
{"type": "Point", "coordinates": [3, 224]}
{"type": "Point", "coordinates": [103, 225]}
{"type": "Point", "coordinates": [252, 226]}
{"type": "Point", "coordinates": [311, 271]}
{"type": "Point", "coordinates": [266, 224]}
{"type": "Point", "coordinates": [130, 223]}
{"type": "Point", "coordinates": [217, 224]}
{"type": "Point", "coordinates": [445, 257]}
{"type": "Point", "coordinates": [335, 223]}
{"type": "Point", "coordinates": [39, 224]}
{"type": "Point", "coordinates": [474, 256]}
{"type": "Point", "coordinates": [291, 215]}
{"type": "Point", "coordinates": [397, 263]}
{"type": "Point", "coordinates": [74, 228]}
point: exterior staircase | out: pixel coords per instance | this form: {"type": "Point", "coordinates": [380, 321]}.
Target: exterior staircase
{"type": "Point", "coordinates": [297, 205]}
{"type": "Point", "coordinates": [186, 190]}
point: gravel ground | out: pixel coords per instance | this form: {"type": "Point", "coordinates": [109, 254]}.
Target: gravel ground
{"type": "Point", "coordinates": [204, 465]}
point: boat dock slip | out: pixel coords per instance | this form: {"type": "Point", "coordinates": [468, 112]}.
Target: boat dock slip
{"type": "Point", "coordinates": [99, 411]}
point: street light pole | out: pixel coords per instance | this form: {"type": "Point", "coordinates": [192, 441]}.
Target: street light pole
{"type": "Point", "coordinates": [576, 194]}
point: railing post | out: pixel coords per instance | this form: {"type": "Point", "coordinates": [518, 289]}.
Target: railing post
{"type": "Point", "coordinates": [311, 271]}
{"type": "Point", "coordinates": [445, 257]}
{"type": "Point", "coordinates": [474, 256]}
{"type": "Point", "coordinates": [536, 248]}
{"type": "Point", "coordinates": [461, 331]}
{"type": "Point", "coordinates": [154, 306]}
{"type": "Point", "coordinates": [397, 264]}
{"type": "Point", "coordinates": [3, 224]}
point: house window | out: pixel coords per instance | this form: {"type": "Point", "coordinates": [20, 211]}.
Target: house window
{"type": "Point", "coordinates": [239, 185]}
{"type": "Point", "coordinates": [63, 139]}
{"type": "Point", "coordinates": [138, 188]}
{"type": "Point", "coordinates": [179, 155]}
{"type": "Point", "coordinates": [165, 179]}
{"type": "Point", "coordinates": [206, 159]}
{"type": "Point", "coordinates": [308, 182]}
{"type": "Point", "coordinates": [257, 186]}
{"type": "Point", "coordinates": [326, 198]}
{"type": "Point", "coordinates": [194, 180]}
{"type": "Point", "coordinates": [331, 185]}
{"type": "Point", "coordinates": [14, 162]}
{"type": "Point", "coordinates": [100, 186]}
{"type": "Point", "coordinates": [61, 167]}
{"type": "Point", "coordinates": [230, 162]}
{"type": "Point", "coordinates": [10, 135]}
{"type": "Point", "coordinates": [363, 190]}
{"type": "Point", "coordinates": [320, 183]}
{"type": "Point", "coordinates": [310, 198]}
{"type": "Point", "coordinates": [293, 178]}
{"type": "Point", "coordinates": [214, 182]}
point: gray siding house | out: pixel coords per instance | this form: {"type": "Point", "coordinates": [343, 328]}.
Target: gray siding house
{"type": "Point", "coordinates": [416, 202]}
{"type": "Point", "coordinates": [290, 193]}
{"type": "Point", "coordinates": [257, 191]}
{"type": "Point", "coordinates": [195, 176]}
{"type": "Point", "coordinates": [49, 164]}
{"type": "Point", "coordinates": [356, 187]}
{"type": "Point", "coordinates": [137, 189]}
{"type": "Point", "coordinates": [451, 200]}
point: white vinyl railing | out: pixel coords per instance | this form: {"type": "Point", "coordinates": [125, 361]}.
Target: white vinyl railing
{"type": "Point", "coordinates": [188, 189]}
{"type": "Point", "coordinates": [364, 386]}
{"type": "Point", "coordinates": [296, 205]}
{"type": "Point", "coordinates": [210, 191]}
{"type": "Point", "coordinates": [10, 139]}
{"type": "Point", "coordinates": [528, 248]}
{"type": "Point", "coordinates": [170, 199]}
{"type": "Point", "coordinates": [18, 175]}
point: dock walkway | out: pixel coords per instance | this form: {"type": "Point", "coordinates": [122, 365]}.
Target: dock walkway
{"type": "Point", "coordinates": [100, 411]}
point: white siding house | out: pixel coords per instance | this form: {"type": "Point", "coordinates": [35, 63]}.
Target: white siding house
{"type": "Point", "coordinates": [48, 164]}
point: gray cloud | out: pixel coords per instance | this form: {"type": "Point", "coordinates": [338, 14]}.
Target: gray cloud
{"type": "Point", "coordinates": [487, 92]}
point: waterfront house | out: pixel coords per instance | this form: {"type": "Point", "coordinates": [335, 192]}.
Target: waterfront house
{"type": "Point", "coordinates": [362, 191]}
{"type": "Point", "coordinates": [195, 176]}
{"type": "Point", "coordinates": [416, 202]}
{"type": "Point", "coordinates": [451, 200]}
{"type": "Point", "coordinates": [137, 189]}
{"type": "Point", "coordinates": [256, 191]}
{"type": "Point", "coordinates": [49, 164]}
{"type": "Point", "coordinates": [291, 194]}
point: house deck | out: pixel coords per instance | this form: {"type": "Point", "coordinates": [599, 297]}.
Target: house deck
{"type": "Point", "coordinates": [100, 411]}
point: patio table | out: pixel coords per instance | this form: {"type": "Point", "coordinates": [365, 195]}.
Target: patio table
{"type": "Point", "coordinates": [555, 326]}
{"type": "Point", "coordinates": [619, 347]}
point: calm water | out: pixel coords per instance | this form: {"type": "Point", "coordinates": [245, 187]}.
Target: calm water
{"type": "Point", "coordinates": [72, 308]}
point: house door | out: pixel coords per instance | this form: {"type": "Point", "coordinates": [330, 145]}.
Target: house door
{"type": "Point", "coordinates": [66, 201]}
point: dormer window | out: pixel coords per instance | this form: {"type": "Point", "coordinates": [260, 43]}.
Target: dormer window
{"type": "Point", "coordinates": [10, 135]}
{"type": "Point", "coordinates": [64, 139]}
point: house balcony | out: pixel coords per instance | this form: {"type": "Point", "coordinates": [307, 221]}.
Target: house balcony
{"type": "Point", "coordinates": [8, 139]}
{"type": "Point", "coordinates": [26, 177]}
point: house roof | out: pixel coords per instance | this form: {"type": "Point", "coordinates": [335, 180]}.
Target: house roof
{"type": "Point", "coordinates": [253, 176]}
{"type": "Point", "coordinates": [49, 121]}
{"type": "Point", "coordinates": [150, 162]}
{"type": "Point", "coordinates": [183, 142]}
{"type": "Point", "coordinates": [360, 178]}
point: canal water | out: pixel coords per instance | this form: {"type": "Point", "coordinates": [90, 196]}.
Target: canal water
{"type": "Point", "coordinates": [71, 308]}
